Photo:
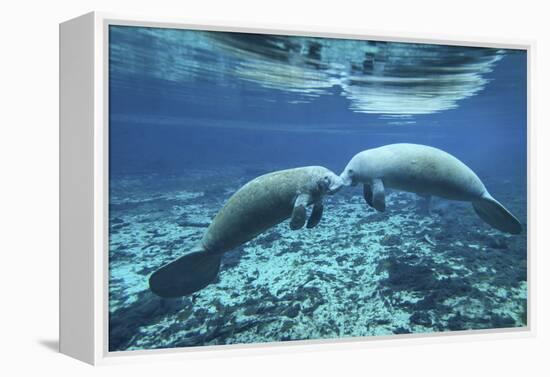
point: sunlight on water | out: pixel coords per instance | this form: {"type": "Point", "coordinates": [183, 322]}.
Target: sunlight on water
{"type": "Point", "coordinates": [376, 77]}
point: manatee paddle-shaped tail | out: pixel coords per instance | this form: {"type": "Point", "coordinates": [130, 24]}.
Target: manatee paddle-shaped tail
{"type": "Point", "coordinates": [185, 275]}
{"type": "Point", "coordinates": [496, 215]}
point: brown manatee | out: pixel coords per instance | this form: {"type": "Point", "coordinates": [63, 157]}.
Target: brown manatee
{"type": "Point", "coordinates": [257, 206]}
{"type": "Point", "coordinates": [426, 171]}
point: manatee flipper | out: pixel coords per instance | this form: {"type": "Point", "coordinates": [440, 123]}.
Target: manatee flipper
{"type": "Point", "coordinates": [496, 215]}
{"type": "Point", "coordinates": [378, 195]}
{"type": "Point", "coordinates": [316, 215]}
{"type": "Point", "coordinates": [367, 194]}
{"type": "Point", "coordinates": [299, 213]}
{"type": "Point", "coordinates": [185, 275]}
{"type": "Point", "coordinates": [374, 194]}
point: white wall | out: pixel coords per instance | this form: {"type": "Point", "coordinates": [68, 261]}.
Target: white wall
{"type": "Point", "coordinates": [29, 186]}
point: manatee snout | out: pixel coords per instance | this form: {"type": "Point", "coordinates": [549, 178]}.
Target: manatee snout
{"type": "Point", "coordinates": [348, 178]}
{"type": "Point", "coordinates": [355, 170]}
{"type": "Point", "coordinates": [335, 183]}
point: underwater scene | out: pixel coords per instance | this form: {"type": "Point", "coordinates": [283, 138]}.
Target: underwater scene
{"type": "Point", "coordinates": [267, 188]}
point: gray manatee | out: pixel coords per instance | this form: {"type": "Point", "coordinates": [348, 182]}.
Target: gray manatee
{"type": "Point", "coordinates": [257, 206]}
{"type": "Point", "coordinates": [425, 171]}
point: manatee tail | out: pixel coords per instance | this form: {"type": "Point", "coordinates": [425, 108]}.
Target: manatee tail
{"type": "Point", "coordinates": [185, 275]}
{"type": "Point", "coordinates": [496, 215]}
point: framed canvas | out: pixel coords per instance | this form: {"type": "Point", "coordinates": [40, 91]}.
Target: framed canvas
{"type": "Point", "coordinates": [230, 187]}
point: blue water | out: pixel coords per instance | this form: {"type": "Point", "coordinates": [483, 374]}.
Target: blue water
{"type": "Point", "coordinates": [194, 115]}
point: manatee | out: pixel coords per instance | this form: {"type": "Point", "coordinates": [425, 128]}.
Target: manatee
{"type": "Point", "coordinates": [425, 171]}
{"type": "Point", "coordinates": [257, 206]}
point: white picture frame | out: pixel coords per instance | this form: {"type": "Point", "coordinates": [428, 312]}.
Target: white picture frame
{"type": "Point", "coordinates": [84, 160]}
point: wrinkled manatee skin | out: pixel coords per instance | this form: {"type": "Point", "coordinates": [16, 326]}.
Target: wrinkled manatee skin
{"type": "Point", "coordinates": [259, 205]}
{"type": "Point", "coordinates": [420, 169]}
{"type": "Point", "coordinates": [427, 171]}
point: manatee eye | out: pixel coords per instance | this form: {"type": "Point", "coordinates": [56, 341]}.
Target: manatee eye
{"type": "Point", "coordinates": [350, 171]}
{"type": "Point", "coordinates": [324, 183]}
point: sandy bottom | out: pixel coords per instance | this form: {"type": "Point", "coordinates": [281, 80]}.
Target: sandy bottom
{"type": "Point", "coordinates": [358, 273]}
